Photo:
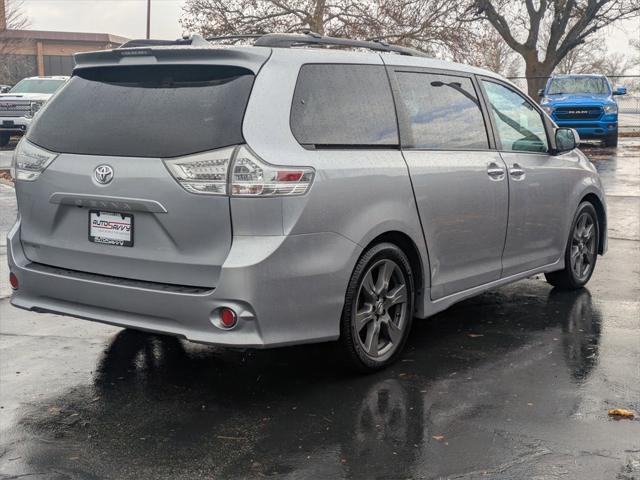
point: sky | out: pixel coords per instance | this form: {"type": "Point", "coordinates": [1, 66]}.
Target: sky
{"type": "Point", "coordinates": [128, 19]}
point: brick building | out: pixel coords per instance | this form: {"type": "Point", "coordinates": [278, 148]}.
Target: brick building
{"type": "Point", "coordinates": [25, 53]}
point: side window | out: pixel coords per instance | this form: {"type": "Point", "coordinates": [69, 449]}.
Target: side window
{"type": "Point", "coordinates": [343, 105]}
{"type": "Point", "coordinates": [443, 112]}
{"type": "Point", "coordinates": [519, 124]}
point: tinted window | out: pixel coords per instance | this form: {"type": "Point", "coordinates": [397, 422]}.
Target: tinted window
{"type": "Point", "coordinates": [150, 111]}
{"type": "Point", "coordinates": [443, 112]}
{"type": "Point", "coordinates": [520, 126]}
{"type": "Point", "coordinates": [343, 105]}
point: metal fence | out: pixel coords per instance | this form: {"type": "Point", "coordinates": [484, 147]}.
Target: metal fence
{"type": "Point", "coordinates": [628, 105]}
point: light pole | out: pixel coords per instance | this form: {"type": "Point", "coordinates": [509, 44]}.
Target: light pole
{"type": "Point", "coordinates": [148, 18]}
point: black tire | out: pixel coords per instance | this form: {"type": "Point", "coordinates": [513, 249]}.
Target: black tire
{"type": "Point", "coordinates": [611, 140]}
{"type": "Point", "coordinates": [4, 139]}
{"type": "Point", "coordinates": [581, 252]}
{"type": "Point", "coordinates": [389, 308]}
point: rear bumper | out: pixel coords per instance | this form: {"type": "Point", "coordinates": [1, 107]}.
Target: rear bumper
{"type": "Point", "coordinates": [591, 128]}
{"type": "Point", "coordinates": [14, 125]}
{"type": "Point", "coordinates": [285, 289]}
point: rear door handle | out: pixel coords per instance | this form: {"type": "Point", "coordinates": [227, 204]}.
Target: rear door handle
{"type": "Point", "coordinates": [517, 172]}
{"type": "Point", "coordinates": [494, 171]}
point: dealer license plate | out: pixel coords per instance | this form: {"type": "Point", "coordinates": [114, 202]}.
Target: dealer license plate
{"type": "Point", "coordinates": [111, 228]}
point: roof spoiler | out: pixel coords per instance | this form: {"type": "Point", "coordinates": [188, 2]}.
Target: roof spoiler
{"type": "Point", "coordinates": [152, 52]}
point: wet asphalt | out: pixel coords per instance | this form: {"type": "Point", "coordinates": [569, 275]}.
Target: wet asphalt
{"type": "Point", "coordinates": [513, 384]}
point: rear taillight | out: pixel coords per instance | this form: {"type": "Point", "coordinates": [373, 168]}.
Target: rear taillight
{"type": "Point", "coordinates": [30, 161]}
{"type": "Point", "coordinates": [238, 171]}
{"type": "Point", "coordinates": [204, 172]}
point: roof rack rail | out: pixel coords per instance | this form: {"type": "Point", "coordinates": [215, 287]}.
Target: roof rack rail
{"type": "Point", "coordinates": [281, 40]}
{"type": "Point", "coordinates": [193, 40]}
{"type": "Point", "coordinates": [233, 37]}
{"type": "Point", "coordinates": [288, 40]}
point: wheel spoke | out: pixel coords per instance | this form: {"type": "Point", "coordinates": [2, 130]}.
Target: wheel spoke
{"type": "Point", "coordinates": [396, 296]}
{"type": "Point", "coordinates": [393, 331]}
{"type": "Point", "coordinates": [373, 338]}
{"type": "Point", "coordinates": [575, 251]}
{"type": "Point", "coordinates": [368, 287]}
{"type": "Point", "coordinates": [364, 316]}
{"type": "Point", "coordinates": [582, 223]}
{"type": "Point", "coordinates": [588, 231]}
{"type": "Point", "coordinates": [579, 263]}
{"type": "Point", "coordinates": [384, 277]}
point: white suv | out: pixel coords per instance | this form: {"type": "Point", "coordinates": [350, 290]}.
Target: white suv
{"type": "Point", "coordinates": [18, 107]}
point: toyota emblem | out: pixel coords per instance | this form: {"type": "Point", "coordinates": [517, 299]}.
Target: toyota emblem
{"type": "Point", "coordinates": [103, 174]}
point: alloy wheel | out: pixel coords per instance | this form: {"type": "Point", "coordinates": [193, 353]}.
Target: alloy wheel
{"type": "Point", "coordinates": [583, 246]}
{"type": "Point", "coordinates": [381, 309]}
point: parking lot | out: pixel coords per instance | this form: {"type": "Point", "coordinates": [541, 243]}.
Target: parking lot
{"type": "Point", "coordinates": [515, 383]}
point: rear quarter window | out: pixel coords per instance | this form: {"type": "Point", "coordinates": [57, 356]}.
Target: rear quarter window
{"type": "Point", "coordinates": [343, 106]}
{"type": "Point", "coordinates": [146, 111]}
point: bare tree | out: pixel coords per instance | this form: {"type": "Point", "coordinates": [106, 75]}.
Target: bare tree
{"type": "Point", "coordinates": [569, 24]}
{"type": "Point", "coordinates": [425, 24]}
{"type": "Point", "coordinates": [485, 48]}
{"type": "Point", "coordinates": [12, 17]}
{"type": "Point", "coordinates": [593, 57]}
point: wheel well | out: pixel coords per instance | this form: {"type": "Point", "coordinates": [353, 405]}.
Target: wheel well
{"type": "Point", "coordinates": [409, 248]}
{"type": "Point", "coordinates": [593, 199]}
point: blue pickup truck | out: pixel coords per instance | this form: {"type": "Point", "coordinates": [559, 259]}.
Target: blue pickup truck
{"type": "Point", "coordinates": [583, 102]}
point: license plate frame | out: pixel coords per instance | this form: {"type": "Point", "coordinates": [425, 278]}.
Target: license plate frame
{"type": "Point", "coordinates": [116, 237]}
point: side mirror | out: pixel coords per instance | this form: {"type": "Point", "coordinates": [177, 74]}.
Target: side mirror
{"type": "Point", "coordinates": [566, 139]}
{"type": "Point", "coordinates": [620, 91]}
{"type": "Point", "coordinates": [541, 92]}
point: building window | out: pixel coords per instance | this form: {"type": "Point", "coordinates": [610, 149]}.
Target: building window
{"type": "Point", "coordinates": [58, 65]}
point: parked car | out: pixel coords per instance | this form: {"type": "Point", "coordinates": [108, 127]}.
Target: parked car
{"type": "Point", "coordinates": [5, 88]}
{"type": "Point", "coordinates": [268, 195]}
{"type": "Point", "coordinates": [585, 103]}
{"type": "Point", "coordinates": [20, 104]}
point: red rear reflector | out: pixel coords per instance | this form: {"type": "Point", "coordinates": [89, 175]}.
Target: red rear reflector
{"type": "Point", "coordinates": [13, 281]}
{"type": "Point", "coordinates": [228, 317]}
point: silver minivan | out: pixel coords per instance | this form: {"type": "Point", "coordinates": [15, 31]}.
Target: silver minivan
{"type": "Point", "coordinates": [301, 189]}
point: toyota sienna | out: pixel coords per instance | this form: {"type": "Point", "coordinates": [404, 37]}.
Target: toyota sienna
{"type": "Point", "coordinates": [300, 189]}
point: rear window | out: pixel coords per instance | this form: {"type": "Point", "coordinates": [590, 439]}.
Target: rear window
{"type": "Point", "coordinates": [146, 111]}
{"type": "Point", "coordinates": [343, 106]}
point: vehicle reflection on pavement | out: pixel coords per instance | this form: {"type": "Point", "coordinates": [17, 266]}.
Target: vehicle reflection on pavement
{"type": "Point", "coordinates": [467, 397]}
